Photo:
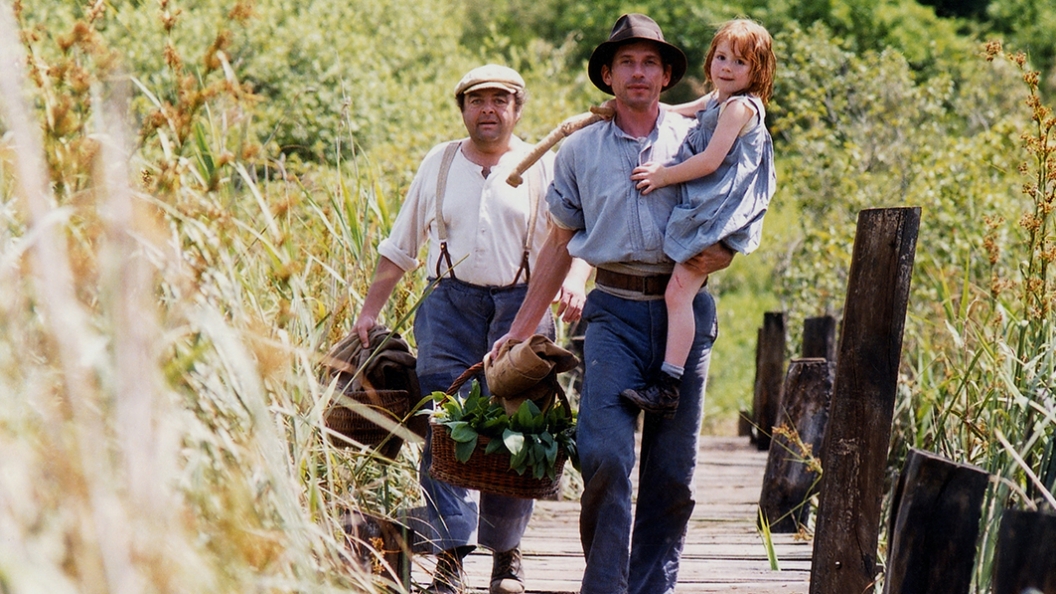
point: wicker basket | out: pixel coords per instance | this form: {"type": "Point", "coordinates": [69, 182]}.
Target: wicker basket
{"type": "Point", "coordinates": [356, 427]}
{"type": "Point", "coordinates": [488, 473]}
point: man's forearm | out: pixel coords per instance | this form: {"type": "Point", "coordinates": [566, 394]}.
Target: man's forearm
{"type": "Point", "coordinates": [386, 277]}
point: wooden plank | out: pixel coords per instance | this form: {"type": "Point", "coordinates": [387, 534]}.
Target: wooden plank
{"type": "Point", "coordinates": [789, 482]}
{"type": "Point", "coordinates": [1026, 553]}
{"type": "Point", "coordinates": [935, 524]}
{"type": "Point", "coordinates": [769, 376]}
{"type": "Point", "coordinates": [859, 432]}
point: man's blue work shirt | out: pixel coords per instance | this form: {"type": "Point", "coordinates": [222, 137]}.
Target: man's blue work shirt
{"type": "Point", "coordinates": [616, 226]}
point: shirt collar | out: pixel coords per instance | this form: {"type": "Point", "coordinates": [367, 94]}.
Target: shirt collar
{"type": "Point", "coordinates": [652, 135]}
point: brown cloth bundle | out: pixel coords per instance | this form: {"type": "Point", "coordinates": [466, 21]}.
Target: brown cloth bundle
{"type": "Point", "coordinates": [527, 371]}
{"type": "Point", "coordinates": [387, 364]}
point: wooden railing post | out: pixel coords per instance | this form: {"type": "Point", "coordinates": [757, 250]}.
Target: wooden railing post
{"type": "Point", "coordinates": [744, 425]}
{"type": "Point", "coordinates": [1026, 553]}
{"type": "Point", "coordinates": [819, 338]}
{"type": "Point", "coordinates": [753, 434]}
{"type": "Point", "coordinates": [935, 516]}
{"type": "Point", "coordinates": [789, 481]}
{"type": "Point", "coordinates": [368, 535]}
{"type": "Point", "coordinates": [769, 376]}
{"type": "Point", "coordinates": [863, 399]}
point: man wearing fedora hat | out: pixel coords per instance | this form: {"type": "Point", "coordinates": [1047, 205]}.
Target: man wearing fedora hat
{"type": "Point", "coordinates": [483, 238]}
{"type": "Point", "coordinates": [601, 217]}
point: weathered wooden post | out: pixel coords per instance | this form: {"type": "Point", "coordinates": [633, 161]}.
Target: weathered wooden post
{"type": "Point", "coordinates": [789, 482]}
{"type": "Point", "coordinates": [1026, 553]}
{"type": "Point", "coordinates": [744, 425]}
{"type": "Point", "coordinates": [379, 546]}
{"type": "Point", "coordinates": [769, 376]}
{"type": "Point", "coordinates": [934, 526]}
{"type": "Point", "coordinates": [819, 338]}
{"type": "Point", "coordinates": [753, 435]}
{"type": "Point", "coordinates": [863, 399]}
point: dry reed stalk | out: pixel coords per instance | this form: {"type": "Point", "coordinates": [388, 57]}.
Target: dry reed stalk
{"type": "Point", "coordinates": [272, 445]}
{"type": "Point", "coordinates": [230, 489]}
{"type": "Point", "coordinates": [149, 462]}
{"type": "Point", "coordinates": [74, 340]}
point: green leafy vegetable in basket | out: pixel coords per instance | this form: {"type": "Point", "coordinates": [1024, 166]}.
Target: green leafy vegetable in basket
{"type": "Point", "coordinates": [531, 437]}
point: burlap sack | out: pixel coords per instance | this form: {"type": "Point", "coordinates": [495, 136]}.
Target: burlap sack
{"type": "Point", "coordinates": [527, 371]}
{"type": "Point", "coordinates": [387, 364]}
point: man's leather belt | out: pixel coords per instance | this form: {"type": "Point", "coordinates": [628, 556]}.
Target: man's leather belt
{"type": "Point", "coordinates": [646, 285]}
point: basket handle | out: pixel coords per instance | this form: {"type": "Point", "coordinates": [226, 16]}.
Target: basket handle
{"type": "Point", "coordinates": [473, 370]}
{"type": "Point", "coordinates": [477, 368]}
{"type": "Point", "coordinates": [561, 397]}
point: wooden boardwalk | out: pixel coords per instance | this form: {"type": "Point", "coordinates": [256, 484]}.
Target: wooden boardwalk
{"type": "Point", "coordinates": [723, 551]}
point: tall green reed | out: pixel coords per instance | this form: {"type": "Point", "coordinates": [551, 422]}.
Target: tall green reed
{"type": "Point", "coordinates": [982, 392]}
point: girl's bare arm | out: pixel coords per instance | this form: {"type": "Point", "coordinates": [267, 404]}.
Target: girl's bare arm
{"type": "Point", "coordinates": [652, 175]}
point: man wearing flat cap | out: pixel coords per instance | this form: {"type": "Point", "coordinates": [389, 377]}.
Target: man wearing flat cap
{"type": "Point", "coordinates": [601, 217]}
{"type": "Point", "coordinates": [483, 238]}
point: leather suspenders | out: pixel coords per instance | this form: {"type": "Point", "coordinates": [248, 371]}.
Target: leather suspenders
{"type": "Point", "coordinates": [441, 189]}
{"type": "Point", "coordinates": [534, 182]}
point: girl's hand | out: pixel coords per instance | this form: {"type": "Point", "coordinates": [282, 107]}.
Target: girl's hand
{"type": "Point", "coordinates": [651, 176]}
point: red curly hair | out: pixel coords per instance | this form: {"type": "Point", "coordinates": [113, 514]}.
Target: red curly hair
{"type": "Point", "coordinates": [751, 41]}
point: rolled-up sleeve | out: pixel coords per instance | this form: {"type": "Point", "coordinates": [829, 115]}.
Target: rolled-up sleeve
{"type": "Point", "coordinates": [409, 230]}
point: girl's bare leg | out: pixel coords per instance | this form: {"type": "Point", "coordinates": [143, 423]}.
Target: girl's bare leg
{"type": "Point", "coordinates": [661, 397]}
{"type": "Point", "coordinates": [681, 327]}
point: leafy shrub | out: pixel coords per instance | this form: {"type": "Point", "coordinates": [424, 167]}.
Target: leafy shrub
{"type": "Point", "coordinates": [860, 132]}
{"type": "Point", "coordinates": [1025, 25]}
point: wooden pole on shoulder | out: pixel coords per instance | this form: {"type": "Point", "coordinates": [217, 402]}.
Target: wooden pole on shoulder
{"type": "Point", "coordinates": [565, 128]}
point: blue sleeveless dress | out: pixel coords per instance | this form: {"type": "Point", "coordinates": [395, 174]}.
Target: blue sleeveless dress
{"type": "Point", "coordinates": [729, 204]}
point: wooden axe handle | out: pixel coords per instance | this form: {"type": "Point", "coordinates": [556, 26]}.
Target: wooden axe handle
{"type": "Point", "coordinates": [596, 114]}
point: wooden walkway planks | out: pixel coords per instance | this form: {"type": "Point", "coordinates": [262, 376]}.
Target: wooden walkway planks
{"type": "Point", "coordinates": [723, 551]}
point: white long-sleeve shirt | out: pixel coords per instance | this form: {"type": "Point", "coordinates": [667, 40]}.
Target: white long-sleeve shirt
{"type": "Point", "coordinates": [486, 219]}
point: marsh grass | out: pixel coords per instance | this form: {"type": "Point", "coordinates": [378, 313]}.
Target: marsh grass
{"type": "Point", "coordinates": [986, 397]}
{"type": "Point", "coordinates": [164, 299]}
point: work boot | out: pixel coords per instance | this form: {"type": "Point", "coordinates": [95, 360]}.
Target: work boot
{"type": "Point", "coordinates": [660, 397]}
{"type": "Point", "coordinates": [448, 578]}
{"type": "Point", "coordinates": [507, 575]}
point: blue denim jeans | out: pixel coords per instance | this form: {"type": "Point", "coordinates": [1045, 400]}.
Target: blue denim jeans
{"type": "Point", "coordinates": [624, 348]}
{"type": "Point", "coordinates": [454, 327]}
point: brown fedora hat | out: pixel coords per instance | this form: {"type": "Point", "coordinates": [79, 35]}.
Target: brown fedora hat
{"type": "Point", "coordinates": [629, 28]}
